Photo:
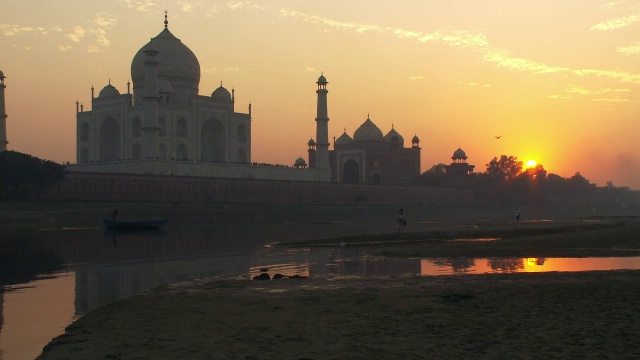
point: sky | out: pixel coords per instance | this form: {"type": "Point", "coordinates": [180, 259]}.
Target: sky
{"type": "Point", "coordinates": [557, 81]}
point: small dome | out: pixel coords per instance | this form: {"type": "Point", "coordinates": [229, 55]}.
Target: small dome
{"type": "Point", "coordinates": [300, 162]}
{"type": "Point", "coordinates": [108, 91]}
{"type": "Point", "coordinates": [164, 86]}
{"type": "Point", "coordinates": [459, 154]}
{"type": "Point", "coordinates": [322, 80]}
{"type": "Point", "coordinates": [394, 138]}
{"type": "Point", "coordinates": [415, 139]}
{"type": "Point", "coordinates": [311, 142]}
{"type": "Point", "coordinates": [221, 94]}
{"type": "Point", "coordinates": [368, 131]}
{"type": "Point", "coordinates": [343, 139]}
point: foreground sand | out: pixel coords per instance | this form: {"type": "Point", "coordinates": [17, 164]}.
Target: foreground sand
{"type": "Point", "coordinates": [589, 315]}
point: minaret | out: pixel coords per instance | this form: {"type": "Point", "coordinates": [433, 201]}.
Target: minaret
{"type": "Point", "coordinates": [150, 99]}
{"type": "Point", "coordinates": [3, 116]}
{"type": "Point", "coordinates": [322, 125]}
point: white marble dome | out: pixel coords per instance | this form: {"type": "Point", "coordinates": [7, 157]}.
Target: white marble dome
{"type": "Point", "coordinates": [177, 63]}
{"type": "Point", "coordinates": [108, 91]}
{"type": "Point", "coordinates": [221, 94]}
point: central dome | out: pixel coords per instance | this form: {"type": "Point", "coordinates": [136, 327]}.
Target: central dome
{"type": "Point", "coordinates": [368, 131]}
{"type": "Point", "coordinates": [177, 63]}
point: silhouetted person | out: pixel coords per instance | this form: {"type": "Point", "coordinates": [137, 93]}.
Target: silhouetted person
{"type": "Point", "coordinates": [517, 215]}
{"type": "Point", "coordinates": [115, 214]}
{"type": "Point", "coordinates": [401, 219]}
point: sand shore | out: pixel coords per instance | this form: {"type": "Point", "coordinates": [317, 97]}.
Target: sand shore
{"type": "Point", "coordinates": [587, 315]}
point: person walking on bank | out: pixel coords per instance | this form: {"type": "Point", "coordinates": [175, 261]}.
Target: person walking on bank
{"type": "Point", "coordinates": [401, 219]}
{"type": "Point", "coordinates": [517, 215]}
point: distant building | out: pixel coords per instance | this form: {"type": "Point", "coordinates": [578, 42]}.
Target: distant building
{"type": "Point", "coordinates": [373, 158]}
{"type": "Point", "coordinates": [3, 116]}
{"type": "Point", "coordinates": [458, 171]}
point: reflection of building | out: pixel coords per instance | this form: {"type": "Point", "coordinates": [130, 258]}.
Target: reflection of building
{"type": "Point", "coordinates": [3, 116]}
{"type": "Point", "coordinates": [458, 171]}
{"type": "Point", "coordinates": [372, 158]}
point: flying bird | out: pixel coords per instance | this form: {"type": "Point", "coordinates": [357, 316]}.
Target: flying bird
{"type": "Point", "coordinates": [498, 137]}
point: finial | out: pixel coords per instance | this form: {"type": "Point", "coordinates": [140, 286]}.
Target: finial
{"type": "Point", "coordinates": [220, 83]}
{"type": "Point", "coordinates": [391, 126]}
{"type": "Point", "coordinates": [345, 129]}
{"type": "Point", "coordinates": [109, 81]}
{"type": "Point", "coordinates": [166, 22]}
{"type": "Point", "coordinates": [368, 116]}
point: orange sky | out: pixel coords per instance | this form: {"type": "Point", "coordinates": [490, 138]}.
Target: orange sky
{"type": "Point", "coordinates": [558, 80]}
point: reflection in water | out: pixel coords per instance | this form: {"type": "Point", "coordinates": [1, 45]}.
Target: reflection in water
{"type": "Point", "coordinates": [102, 267]}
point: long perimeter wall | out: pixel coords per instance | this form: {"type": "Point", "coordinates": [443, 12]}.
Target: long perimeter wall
{"type": "Point", "coordinates": [166, 188]}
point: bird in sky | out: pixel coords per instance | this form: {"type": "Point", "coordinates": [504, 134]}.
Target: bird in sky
{"type": "Point", "coordinates": [498, 137]}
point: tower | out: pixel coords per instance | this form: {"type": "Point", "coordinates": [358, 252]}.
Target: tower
{"type": "Point", "coordinates": [151, 122]}
{"type": "Point", "coordinates": [3, 116]}
{"type": "Point", "coordinates": [322, 125]}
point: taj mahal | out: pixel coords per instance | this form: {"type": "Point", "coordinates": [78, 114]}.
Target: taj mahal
{"type": "Point", "coordinates": [163, 126]}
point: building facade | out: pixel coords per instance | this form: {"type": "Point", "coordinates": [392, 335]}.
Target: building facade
{"type": "Point", "coordinates": [373, 158]}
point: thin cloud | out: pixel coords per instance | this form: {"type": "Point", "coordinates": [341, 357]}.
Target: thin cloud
{"type": "Point", "coordinates": [583, 91]}
{"type": "Point", "coordinates": [232, 69]}
{"type": "Point", "coordinates": [610, 100]}
{"type": "Point", "coordinates": [15, 29]}
{"type": "Point", "coordinates": [416, 77]}
{"type": "Point", "coordinates": [187, 6]}
{"type": "Point", "coordinates": [617, 23]}
{"type": "Point", "coordinates": [64, 48]}
{"type": "Point", "coordinates": [630, 50]}
{"type": "Point", "coordinates": [76, 34]}
{"type": "Point", "coordinates": [105, 20]}
{"type": "Point", "coordinates": [140, 5]}
{"type": "Point", "coordinates": [213, 10]}
{"type": "Point", "coordinates": [208, 70]}
{"type": "Point", "coordinates": [310, 69]}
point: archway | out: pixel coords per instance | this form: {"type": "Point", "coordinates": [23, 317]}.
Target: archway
{"type": "Point", "coordinates": [212, 143]}
{"type": "Point", "coordinates": [136, 128]}
{"type": "Point", "coordinates": [84, 155]}
{"type": "Point", "coordinates": [181, 152]}
{"type": "Point", "coordinates": [163, 151]}
{"type": "Point", "coordinates": [242, 156]}
{"type": "Point", "coordinates": [181, 128]}
{"type": "Point", "coordinates": [109, 140]}
{"type": "Point", "coordinates": [375, 178]}
{"type": "Point", "coordinates": [242, 134]}
{"type": "Point", "coordinates": [351, 172]}
{"type": "Point", "coordinates": [136, 152]}
{"type": "Point", "coordinates": [84, 132]}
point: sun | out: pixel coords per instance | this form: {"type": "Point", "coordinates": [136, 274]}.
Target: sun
{"type": "Point", "coordinates": [531, 163]}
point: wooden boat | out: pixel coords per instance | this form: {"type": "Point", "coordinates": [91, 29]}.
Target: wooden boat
{"type": "Point", "coordinates": [141, 224]}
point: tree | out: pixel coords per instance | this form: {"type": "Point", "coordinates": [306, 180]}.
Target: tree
{"type": "Point", "coordinates": [22, 174]}
{"type": "Point", "coordinates": [434, 176]}
{"type": "Point", "coordinates": [506, 168]}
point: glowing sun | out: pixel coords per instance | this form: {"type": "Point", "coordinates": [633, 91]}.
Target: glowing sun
{"type": "Point", "coordinates": [531, 163]}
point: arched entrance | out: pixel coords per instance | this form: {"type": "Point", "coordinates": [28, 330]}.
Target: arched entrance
{"type": "Point", "coordinates": [212, 141]}
{"type": "Point", "coordinates": [109, 140]}
{"type": "Point", "coordinates": [375, 178]}
{"type": "Point", "coordinates": [351, 172]}
{"type": "Point", "coordinates": [181, 152]}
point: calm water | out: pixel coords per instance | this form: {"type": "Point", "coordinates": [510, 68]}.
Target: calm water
{"type": "Point", "coordinates": [58, 275]}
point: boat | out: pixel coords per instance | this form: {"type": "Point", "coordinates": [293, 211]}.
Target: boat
{"type": "Point", "coordinates": [140, 224]}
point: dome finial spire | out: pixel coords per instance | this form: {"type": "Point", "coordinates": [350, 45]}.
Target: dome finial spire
{"type": "Point", "coordinates": [166, 22]}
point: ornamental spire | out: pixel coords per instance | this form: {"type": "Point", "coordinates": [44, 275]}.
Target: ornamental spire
{"type": "Point", "coordinates": [166, 22]}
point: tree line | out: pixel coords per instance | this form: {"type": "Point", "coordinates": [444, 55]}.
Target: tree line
{"type": "Point", "coordinates": [23, 176]}
{"type": "Point", "coordinates": [505, 183]}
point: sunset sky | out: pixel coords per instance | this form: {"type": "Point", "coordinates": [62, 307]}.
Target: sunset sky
{"type": "Point", "coordinates": [559, 81]}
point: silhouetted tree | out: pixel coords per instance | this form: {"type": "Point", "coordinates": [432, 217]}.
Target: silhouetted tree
{"type": "Point", "coordinates": [23, 174]}
{"type": "Point", "coordinates": [505, 168]}
{"type": "Point", "coordinates": [435, 176]}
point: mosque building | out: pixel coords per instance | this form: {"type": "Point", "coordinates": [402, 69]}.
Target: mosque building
{"type": "Point", "coordinates": [373, 158]}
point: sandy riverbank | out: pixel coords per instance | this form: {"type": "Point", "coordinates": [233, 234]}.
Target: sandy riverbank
{"type": "Point", "coordinates": [517, 316]}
